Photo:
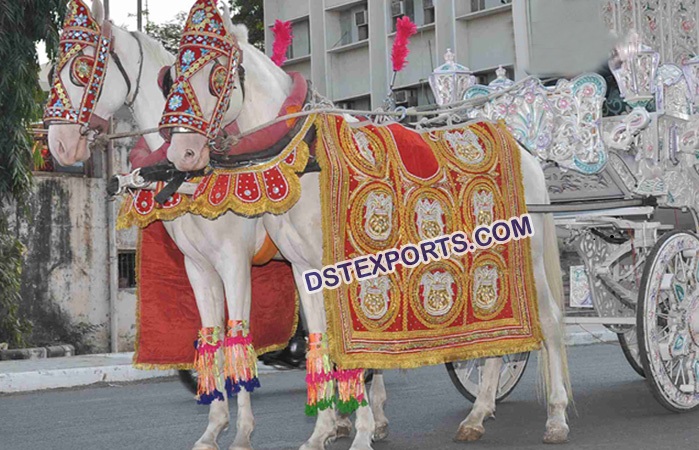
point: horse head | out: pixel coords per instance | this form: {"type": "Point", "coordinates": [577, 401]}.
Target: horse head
{"type": "Point", "coordinates": [87, 86]}
{"type": "Point", "coordinates": [206, 91]}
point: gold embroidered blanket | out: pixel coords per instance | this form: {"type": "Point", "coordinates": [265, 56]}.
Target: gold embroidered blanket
{"type": "Point", "coordinates": [386, 186]}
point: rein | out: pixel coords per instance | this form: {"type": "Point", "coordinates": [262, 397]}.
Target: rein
{"type": "Point", "coordinates": [400, 114]}
{"type": "Point", "coordinates": [125, 75]}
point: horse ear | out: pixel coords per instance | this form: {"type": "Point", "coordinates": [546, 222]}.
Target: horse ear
{"type": "Point", "coordinates": [227, 22]}
{"type": "Point", "coordinates": [165, 80]}
{"type": "Point", "coordinates": [98, 11]}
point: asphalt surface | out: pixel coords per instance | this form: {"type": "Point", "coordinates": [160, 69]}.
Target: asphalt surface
{"type": "Point", "coordinates": [613, 410]}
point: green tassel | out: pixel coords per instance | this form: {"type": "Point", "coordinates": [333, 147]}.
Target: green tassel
{"type": "Point", "coordinates": [350, 406]}
{"type": "Point", "coordinates": [312, 410]}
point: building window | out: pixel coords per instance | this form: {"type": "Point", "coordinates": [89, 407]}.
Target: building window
{"type": "Point", "coordinates": [406, 97]}
{"type": "Point", "coordinates": [358, 103]}
{"type": "Point", "coordinates": [487, 76]}
{"type": "Point", "coordinates": [127, 269]}
{"type": "Point", "coordinates": [301, 44]}
{"type": "Point", "coordinates": [400, 8]}
{"type": "Point", "coordinates": [428, 11]}
{"type": "Point", "coordinates": [354, 24]}
{"type": "Point", "coordinates": [480, 5]}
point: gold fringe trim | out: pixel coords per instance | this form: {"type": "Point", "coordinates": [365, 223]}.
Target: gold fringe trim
{"type": "Point", "coordinates": [200, 206]}
{"type": "Point", "coordinates": [326, 147]}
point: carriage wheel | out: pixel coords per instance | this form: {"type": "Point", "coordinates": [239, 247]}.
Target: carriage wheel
{"type": "Point", "coordinates": [466, 375]}
{"type": "Point", "coordinates": [629, 345]}
{"type": "Point", "coordinates": [668, 321]}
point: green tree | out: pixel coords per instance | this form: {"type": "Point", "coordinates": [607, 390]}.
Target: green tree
{"type": "Point", "coordinates": [250, 13]}
{"type": "Point", "coordinates": [168, 33]}
{"type": "Point", "coordinates": [22, 25]}
{"type": "Point", "coordinates": [247, 12]}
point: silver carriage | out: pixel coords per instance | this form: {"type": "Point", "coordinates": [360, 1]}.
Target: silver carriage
{"type": "Point", "coordinates": [625, 196]}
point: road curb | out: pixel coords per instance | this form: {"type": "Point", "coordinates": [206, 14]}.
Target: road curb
{"type": "Point", "coordinates": [70, 372]}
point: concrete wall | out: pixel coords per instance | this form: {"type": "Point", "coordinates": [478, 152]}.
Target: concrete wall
{"type": "Point", "coordinates": [65, 279]}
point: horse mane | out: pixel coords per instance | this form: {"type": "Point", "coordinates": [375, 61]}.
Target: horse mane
{"type": "Point", "coordinates": [154, 50]}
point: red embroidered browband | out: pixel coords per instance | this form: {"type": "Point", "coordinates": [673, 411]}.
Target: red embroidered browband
{"type": "Point", "coordinates": [205, 39]}
{"type": "Point", "coordinates": [80, 32]}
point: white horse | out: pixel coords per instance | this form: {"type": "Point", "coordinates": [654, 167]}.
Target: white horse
{"type": "Point", "coordinates": [298, 236]}
{"type": "Point", "coordinates": [217, 252]}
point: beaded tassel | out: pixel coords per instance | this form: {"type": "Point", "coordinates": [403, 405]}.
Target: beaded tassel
{"type": "Point", "coordinates": [350, 387]}
{"type": "Point", "coordinates": [240, 357]}
{"type": "Point", "coordinates": [319, 375]}
{"type": "Point", "coordinates": [207, 365]}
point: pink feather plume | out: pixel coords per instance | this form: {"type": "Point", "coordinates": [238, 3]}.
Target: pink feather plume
{"type": "Point", "coordinates": [399, 55]}
{"type": "Point", "coordinates": [282, 40]}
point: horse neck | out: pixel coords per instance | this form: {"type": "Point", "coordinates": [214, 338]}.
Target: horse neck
{"type": "Point", "coordinates": [266, 89]}
{"type": "Point", "coordinates": [149, 102]}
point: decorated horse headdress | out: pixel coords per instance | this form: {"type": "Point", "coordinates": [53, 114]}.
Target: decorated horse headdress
{"type": "Point", "coordinates": [80, 32]}
{"type": "Point", "coordinates": [205, 39]}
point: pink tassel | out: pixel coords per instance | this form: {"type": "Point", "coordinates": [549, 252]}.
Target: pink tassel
{"type": "Point", "coordinates": [320, 379]}
{"type": "Point", "coordinates": [240, 359]}
{"type": "Point", "coordinates": [282, 39]}
{"type": "Point", "coordinates": [207, 365]}
{"type": "Point", "coordinates": [350, 389]}
{"type": "Point", "coordinates": [399, 55]}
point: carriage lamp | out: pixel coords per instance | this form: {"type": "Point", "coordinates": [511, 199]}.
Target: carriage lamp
{"type": "Point", "coordinates": [691, 75]}
{"type": "Point", "coordinates": [501, 81]}
{"type": "Point", "coordinates": [634, 66]}
{"type": "Point", "coordinates": [450, 81]}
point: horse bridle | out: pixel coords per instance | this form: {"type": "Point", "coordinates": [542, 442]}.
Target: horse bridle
{"type": "Point", "coordinates": [97, 125]}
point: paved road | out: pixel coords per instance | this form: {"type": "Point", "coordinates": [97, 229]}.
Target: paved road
{"type": "Point", "coordinates": [615, 410]}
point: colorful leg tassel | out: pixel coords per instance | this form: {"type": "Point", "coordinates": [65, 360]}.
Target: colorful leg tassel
{"type": "Point", "coordinates": [319, 375]}
{"type": "Point", "coordinates": [207, 365]}
{"type": "Point", "coordinates": [241, 359]}
{"type": "Point", "coordinates": [350, 388]}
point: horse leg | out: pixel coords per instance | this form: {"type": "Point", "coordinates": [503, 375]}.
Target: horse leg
{"type": "Point", "coordinates": [208, 291]}
{"type": "Point", "coordinates": [314, 312]}
{"type": "Point", "coordinates": [239, 299]}
{"type": "Point", "coordinates": [377, 396]}
{"type": "Point", "coordinates": [343, 426]}
{"type": "Point", "coordinates": [552, 326]}
{"type": "Point", "coordinates": [549, 286]}
{"type": "Point", "coordinates": [471, 429]}
{"type": "Point", "coordinates": [365, 429]}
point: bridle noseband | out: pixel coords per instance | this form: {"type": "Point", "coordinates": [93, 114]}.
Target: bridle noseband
{"type": "Point", "coordinates": [88, 72]}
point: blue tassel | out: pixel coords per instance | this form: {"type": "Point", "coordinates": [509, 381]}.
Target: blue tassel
{"type": "Point", "coordinates": [206, 399]}
{"type": "Point", "coordinates": [233, 388]}
{"type": "Point", "coordinates": [251, 385]}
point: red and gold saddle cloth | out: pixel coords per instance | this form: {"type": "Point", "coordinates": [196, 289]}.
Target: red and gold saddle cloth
{"type": "Point", "coordinates": [386, 186]}
{"type": "Point", "coordinates": [167, 318]}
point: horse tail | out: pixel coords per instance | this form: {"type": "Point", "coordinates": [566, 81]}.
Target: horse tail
{"type": "Point", "coordinates": [554, 279]}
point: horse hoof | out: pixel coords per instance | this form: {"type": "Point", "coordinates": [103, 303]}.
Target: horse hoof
{"type": "Point", "coordinates": [361, 447]}
{"type": "Point", "coordinates": [556, 435]}
{"type": "Point", "coordinates": [309, 446]}
{"type": "Point", "coordinates": [202, 446]}
{"type": "Point", "coordinates": [469, 433]}
{"type": "Point", "coordinates": [381, 432]}
{"type": "Point", "coordinates": [343, 431]}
